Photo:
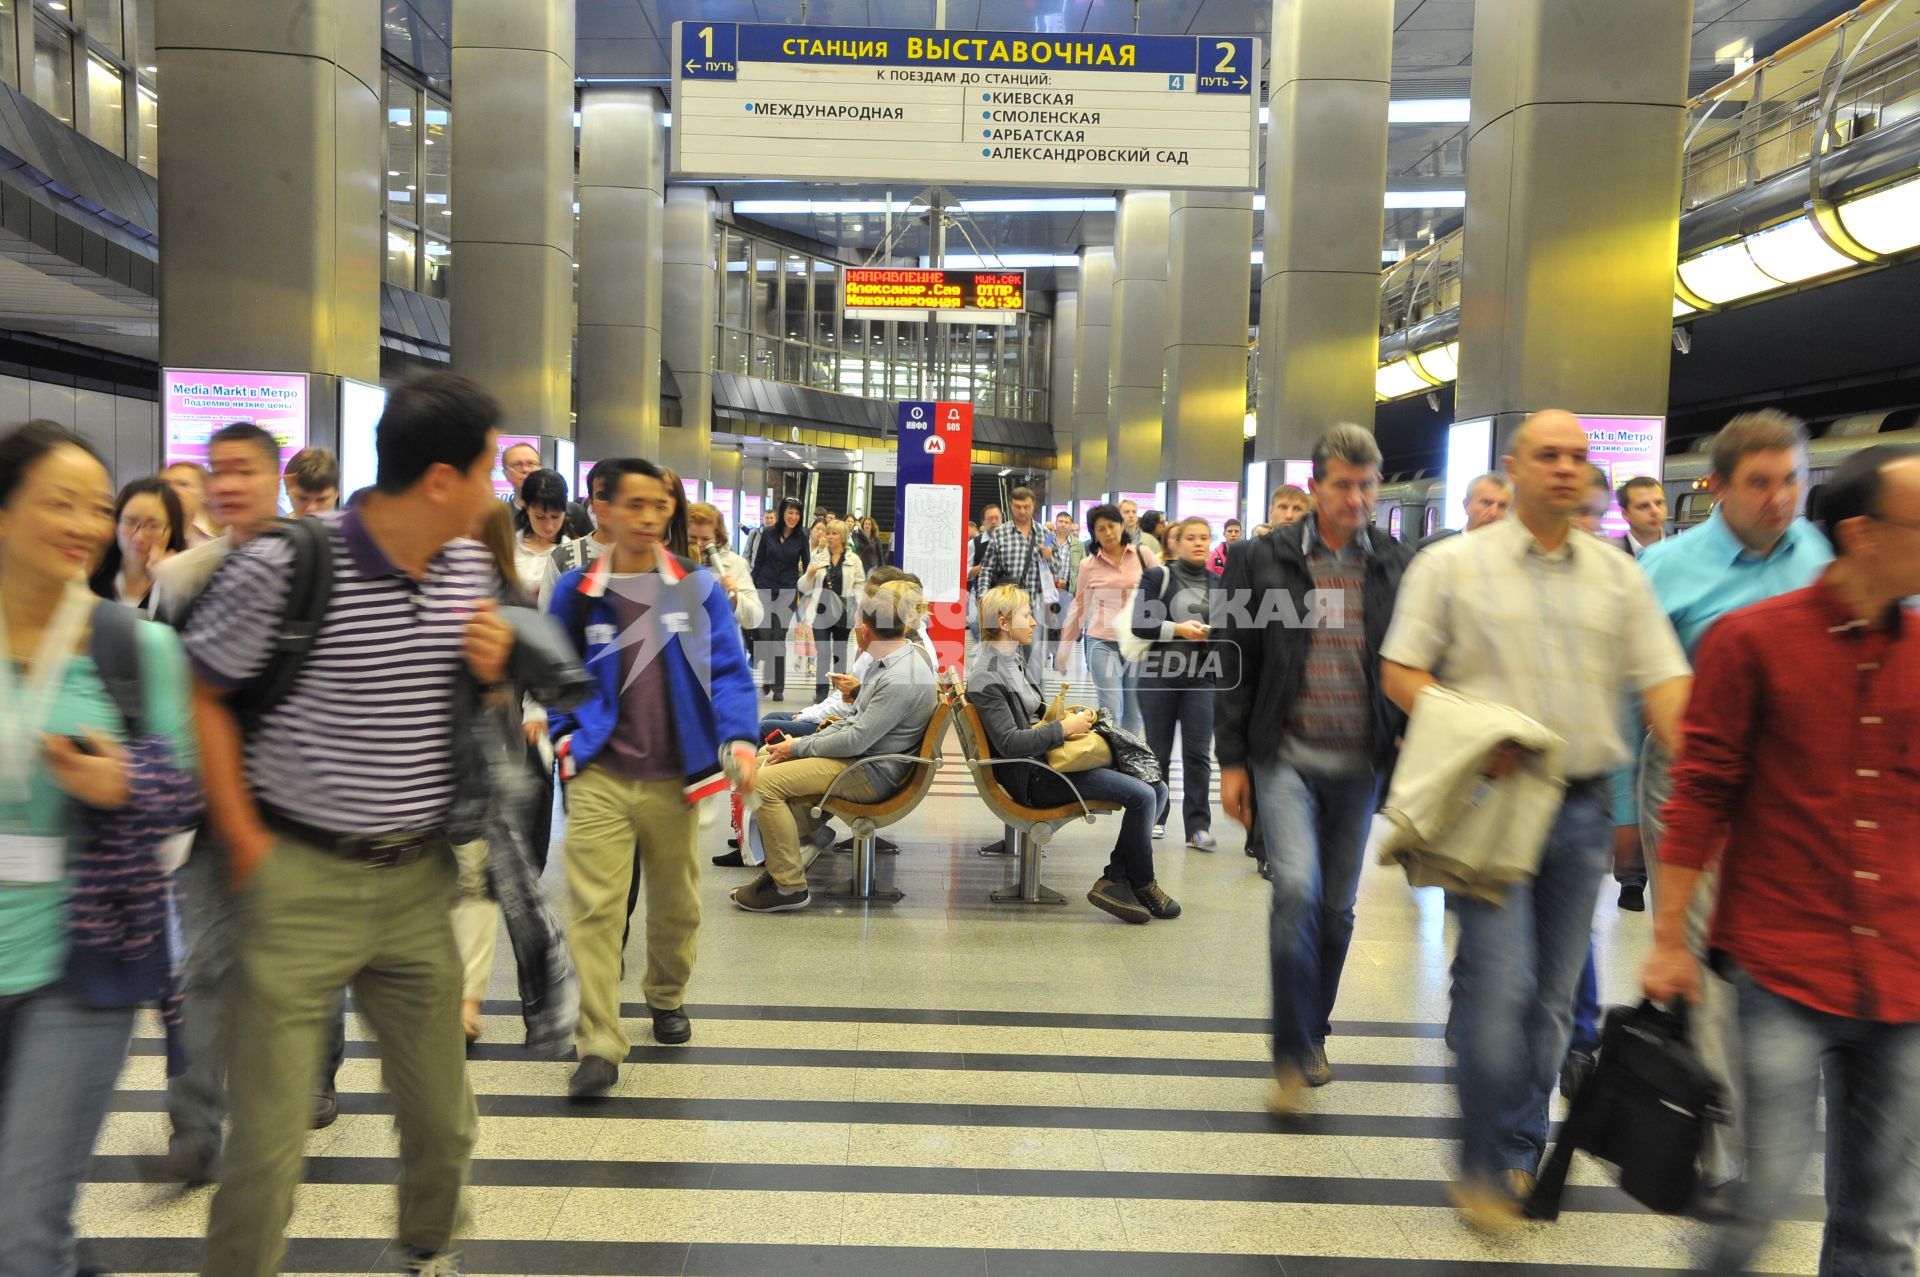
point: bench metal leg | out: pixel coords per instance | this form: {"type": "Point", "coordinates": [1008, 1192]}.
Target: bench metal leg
{"type": "Point", "coordinates": [863, 886]}
{"type": "Point", "coordinates": [1028, 846]}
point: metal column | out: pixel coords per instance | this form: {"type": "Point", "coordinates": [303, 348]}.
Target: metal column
{"type": "Point", "coordinates": [623, 177]}
{"type": "Point", "coordinates": [1326, 192]}
{"type": "Point", "coordinates": [1210, 286]}
{"type": "Point", "coordinates": [512, 281]}
{"type": "Point", "coordinates": [1573, 207]}
{"type": "Point", "coordinates": [271, 207]}
{"type": "Point", "coordinates": [1066, 342]}
{"type": "Point", "coordinates": [1137, 341]}
{"type": "Point", "coordinates": [687, 345]}
{"type": "Point", "coordinates": [1090, 365]}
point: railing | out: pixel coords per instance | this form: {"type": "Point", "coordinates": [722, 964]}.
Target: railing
{"type": "Point", "coordinates": [1857, 73]}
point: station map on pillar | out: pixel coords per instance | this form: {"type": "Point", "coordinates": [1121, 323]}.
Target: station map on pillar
{"type": "Point", "coordinates": [845, 104]}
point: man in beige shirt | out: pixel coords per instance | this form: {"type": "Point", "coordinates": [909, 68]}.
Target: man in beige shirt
{"type": "Point", "coordinates": [1561, 627]}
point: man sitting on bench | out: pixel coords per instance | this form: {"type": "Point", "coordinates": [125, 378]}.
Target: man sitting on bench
{"type": "Point", "coordinates": [895, 702]}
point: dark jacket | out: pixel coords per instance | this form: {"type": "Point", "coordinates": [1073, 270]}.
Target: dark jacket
{"type": "Point", "coordinates": [1264, 665]}
{"type": "Point", "coordinates": [1151, 604]}
{"type": "Point", "coordinates": [1009, 705]}
{"type": "Point", "coordinates": [778, 562]}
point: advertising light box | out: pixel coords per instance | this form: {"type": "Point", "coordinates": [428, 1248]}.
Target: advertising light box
{"type": "Point", "coordinates": [1469, 454]}
{"type": "Point", "coordinates": [501, 487]}
{"type": "Point", "coordinates": [1626, 448]}
{"type": "Point", "coordinates": [1214, 502]}
{"type": "Point", "coordinates": [564, 465]}
{"type": "Point", "coordinates": [883, 293]}
{"type": "Point", "coordinates": [1297, 473]}
{"type": "Point", "coordinates": [195, 402]}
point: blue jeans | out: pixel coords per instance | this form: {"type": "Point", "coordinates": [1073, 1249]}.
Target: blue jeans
{"type": "Point", "coordinates": [1178, 703]}
{"type": "Point", "coordinates": [785, 721]}
{"type": "Point", "coordinates": [58, 1062]}
{"type": "Point", "coordinates": [1872, 1076]}
{"type": "Point", "coordinates": [1316, 834]}
{"type": "Point", "coordinates": [1519, 964]}
{"type": "Point", "coordinates": [1113, 684]}
{"type": "Point", "coordinates": [1586, 1008]}
{"type": "Point", "coordinates": [1132, 858]}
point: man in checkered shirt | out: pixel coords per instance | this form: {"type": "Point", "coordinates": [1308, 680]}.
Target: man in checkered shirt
{"type": "Point", "coordinates": [1018, 553]}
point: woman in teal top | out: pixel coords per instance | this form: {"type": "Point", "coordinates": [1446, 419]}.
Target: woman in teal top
{"type": "Point", "coordinates": [59, 1057]}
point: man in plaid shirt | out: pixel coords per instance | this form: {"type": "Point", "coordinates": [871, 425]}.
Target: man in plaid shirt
{"type": "Point", "coordinates": [1018, 553]}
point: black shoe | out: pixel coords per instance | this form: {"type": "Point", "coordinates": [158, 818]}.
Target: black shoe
{"type": "Point", "coordinates": [1264, 868]}
{"type": "Point", "coordinates": [192, 1162]}
{"type": "Point", "coordinates": [1117, 898]}
{"type": "Point", "coordinates": [732, 860]}
{"type": "Point", "coordinates": [593, 1079]}
{"type": "Point", "coordinates": [1575, 1072]}
{"type": "Point", "coordinates": [734, 843]}
{"type": "Point", "coordinates": [671, 1027]}
{"type": "Point", "coordinates": [1158, 902]}
{"type": "Point", "coordinates": [780, 697]}
{"type": "Point", "coordinates": [326, 1109]}
{"type": "Point", "coordinates": [1633, 897]}
{"type": "Point", "coordinates": [998, 848]}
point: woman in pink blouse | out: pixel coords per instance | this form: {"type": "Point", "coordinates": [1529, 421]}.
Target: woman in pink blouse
{"type": "Point", "coordinates": [1105, 577]}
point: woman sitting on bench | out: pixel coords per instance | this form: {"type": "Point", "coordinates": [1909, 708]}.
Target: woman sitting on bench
{"type": "Point", "coordinates": [1010, 707]}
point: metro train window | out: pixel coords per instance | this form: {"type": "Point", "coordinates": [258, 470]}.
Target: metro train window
{"type": "Point", "coordinates": [1393, 521]}
{"type": "Point", "coordinates": [1429, 520]}
{"type": "Point", "coordinates": [1695, 507]}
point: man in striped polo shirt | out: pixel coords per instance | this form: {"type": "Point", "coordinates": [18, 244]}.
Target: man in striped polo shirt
{"type": "Point", "coordinates": [1300, 725]}
{"type": "Point", "coordinates": [333, 806]}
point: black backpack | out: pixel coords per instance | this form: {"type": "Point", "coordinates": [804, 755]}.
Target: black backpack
{"type": "Point", "coordinates": [1646, 1108]}
{"type": "Point", "coordinates": [114, 645]}
{"type": "Point", "coordinates": [309, 590]}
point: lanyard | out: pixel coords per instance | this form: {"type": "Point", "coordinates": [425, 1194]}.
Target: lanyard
{"type": "Point", "coordinates": [24, 709]}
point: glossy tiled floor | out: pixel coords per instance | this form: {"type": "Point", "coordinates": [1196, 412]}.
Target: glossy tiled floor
{"type": "Point", "coordinates": [946, 1086]}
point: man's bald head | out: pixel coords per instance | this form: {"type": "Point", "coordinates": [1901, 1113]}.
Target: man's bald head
{"type": "Point", "coordinates": [1547, 459]}
{"type": "Point", "coordinates": [1546, 417]}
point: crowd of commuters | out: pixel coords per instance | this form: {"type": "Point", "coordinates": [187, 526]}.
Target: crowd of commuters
{"type": "Point", "coordinates": [316, 755]}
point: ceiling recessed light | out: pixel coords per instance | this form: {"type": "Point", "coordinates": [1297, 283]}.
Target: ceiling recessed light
{"type": "Point", "coordinates": [151, 70]}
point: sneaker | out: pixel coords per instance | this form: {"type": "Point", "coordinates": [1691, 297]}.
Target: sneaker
{"type": "Point", "coordinates": [1202, 840]}
{"type": "Point", "coordinates": [671, 1027]}
{"type": "Point", "coordinates": [1289, 1090]}
{"type": "Point", "coordinates": [1117, 898]}
{"type": "Point", "coordinates": [592, 1080]}
{"type": "Point", "coordinates": [1159, 832]}
{"type": "Point", "coordinates": [1158, 902]}
{"type": "Point", "coordinates": [1315, 1067]}
{"type": "Point", "coordinates": [192, 1162]}
{"type": "Point", "coordinates": [1633, 897]}
{"type": "Point", "coordinates": [444, 1263]}
{"type": "Point", "coordinates": [763, 895]}
{"type": "Point", "coordinates": [326, 1110]}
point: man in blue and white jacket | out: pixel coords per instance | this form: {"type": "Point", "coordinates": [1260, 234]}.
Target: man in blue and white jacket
{"type": "Point", "coordinates": [673, 714]}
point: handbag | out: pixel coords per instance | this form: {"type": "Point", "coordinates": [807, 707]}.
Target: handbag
{"type": "Point", "coordinates": [1132, 646]}
{"type": "Point", "coordinates": [1646, 1108]}
{"type": "Point", "coordinates": [1082, 754]}
{"type": "Point", "coordinates": [1131, 755]}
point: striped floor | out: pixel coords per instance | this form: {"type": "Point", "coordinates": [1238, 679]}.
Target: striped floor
{"type": "Point", "coordinates": [947, 1086]}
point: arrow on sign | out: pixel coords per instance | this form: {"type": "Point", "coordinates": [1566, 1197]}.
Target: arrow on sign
{"type": "Point", "coordinates": [692, 66]}
{"type": "Point", "coordinates": [1241, 83]}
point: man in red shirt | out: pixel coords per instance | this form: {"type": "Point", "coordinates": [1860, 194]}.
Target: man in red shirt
{"type": "Point", "coordinates": [1798, 756]}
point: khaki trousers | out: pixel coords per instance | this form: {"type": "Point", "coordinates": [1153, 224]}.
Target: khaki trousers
{"type": "Point", "coordinates": [607, 817]}
{"type": "Point", "coordinates": [309, 924]}
{"type": "Point", "coordinates": [476, 921]}
{"type": "Point", "coordinates": [787, 794]}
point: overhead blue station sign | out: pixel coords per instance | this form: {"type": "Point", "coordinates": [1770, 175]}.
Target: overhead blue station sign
{"type": "Point", "coordinates": [840, 103]}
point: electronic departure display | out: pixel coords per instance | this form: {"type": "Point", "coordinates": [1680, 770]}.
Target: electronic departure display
{"type": "Point", "coordinates": [881, 292]}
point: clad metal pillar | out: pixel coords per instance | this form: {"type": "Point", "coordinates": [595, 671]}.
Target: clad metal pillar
{"type": "Point", "coordinates": [512, 281]}
{"type": "Point", "coordinates": [687, 345]}
{"type": "Point", "coordinates": [1066, 342]}
{"type": "Point", "coordinates": [1573, 203]}
{"type": "Point", "coordinates": [1090, 366]}
{"type": "Point", "coordinates": [1137, 341]}
{"type": "Point", "coordinates": [1210, 286]}
{"type": "Point", "coordinates": [623, 178]}
{"type": "Point", "coordinates": [271, 209]}
{"type": "Point", "coordinates": [1326, 192]}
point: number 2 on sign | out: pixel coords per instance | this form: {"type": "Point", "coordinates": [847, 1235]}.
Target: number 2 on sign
{"type": "Point", "coordinates": [1224, 67]}
{"type": "Point", "coordinates": [706, 37]}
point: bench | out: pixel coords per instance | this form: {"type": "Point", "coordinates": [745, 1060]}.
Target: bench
{"type": "Point", "coordinates": [865, 819]}
{"type": "Point", "coordinates": [1029, 829]}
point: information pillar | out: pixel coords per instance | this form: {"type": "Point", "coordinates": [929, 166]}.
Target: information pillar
{"type": "Point", "coordinates": [930, 522]}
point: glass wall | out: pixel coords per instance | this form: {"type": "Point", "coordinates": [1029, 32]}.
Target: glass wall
{"type": "Point", "coordinates": [418, 216]}
{"type": "Point", "coordinates": [779, 318]}
{"type": "Point", "coordinates": [73, 59]}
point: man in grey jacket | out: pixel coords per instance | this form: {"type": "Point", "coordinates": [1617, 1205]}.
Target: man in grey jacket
{"type": "Point", "coordinates": [895, 702]}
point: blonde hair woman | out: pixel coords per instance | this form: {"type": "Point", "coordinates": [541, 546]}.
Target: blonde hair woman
{"type": "Point", "coordinates": [1010, 706]}
{"type": "Point", "coordinates": [832, 586]}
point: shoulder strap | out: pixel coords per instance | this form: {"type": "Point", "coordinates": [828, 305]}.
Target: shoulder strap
{"type": "Point", "coordinates": [114, 645]}
{"type": "Point", "coordinates": [579, 606]}
{"type": "Point", "coordinates": [309, 591]}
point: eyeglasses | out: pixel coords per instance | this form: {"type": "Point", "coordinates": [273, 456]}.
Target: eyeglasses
{"type": "Point", "coordinates": [148, 527]}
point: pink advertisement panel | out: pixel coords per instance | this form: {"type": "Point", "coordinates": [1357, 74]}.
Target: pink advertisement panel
{"type": "Point", "coordinates": [1297, 473]}
{"type": "Point", "coordinates": [1216, 502]}
{"type": "Point", "coordinates": [196, 402]}
{"type": "Point", "coordinates": [501, 488]}
{"type": "Point", "coordinates": [1626, 448]}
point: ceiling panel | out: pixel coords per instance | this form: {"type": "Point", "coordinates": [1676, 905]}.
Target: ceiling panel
{"type": "Point", "coordinates": [1439, 15]}
{"type": "Point", "coordinates": [611, 20]}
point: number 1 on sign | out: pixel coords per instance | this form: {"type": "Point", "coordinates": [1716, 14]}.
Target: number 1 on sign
{"type": "Point", "coordinates": [706, 38]}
